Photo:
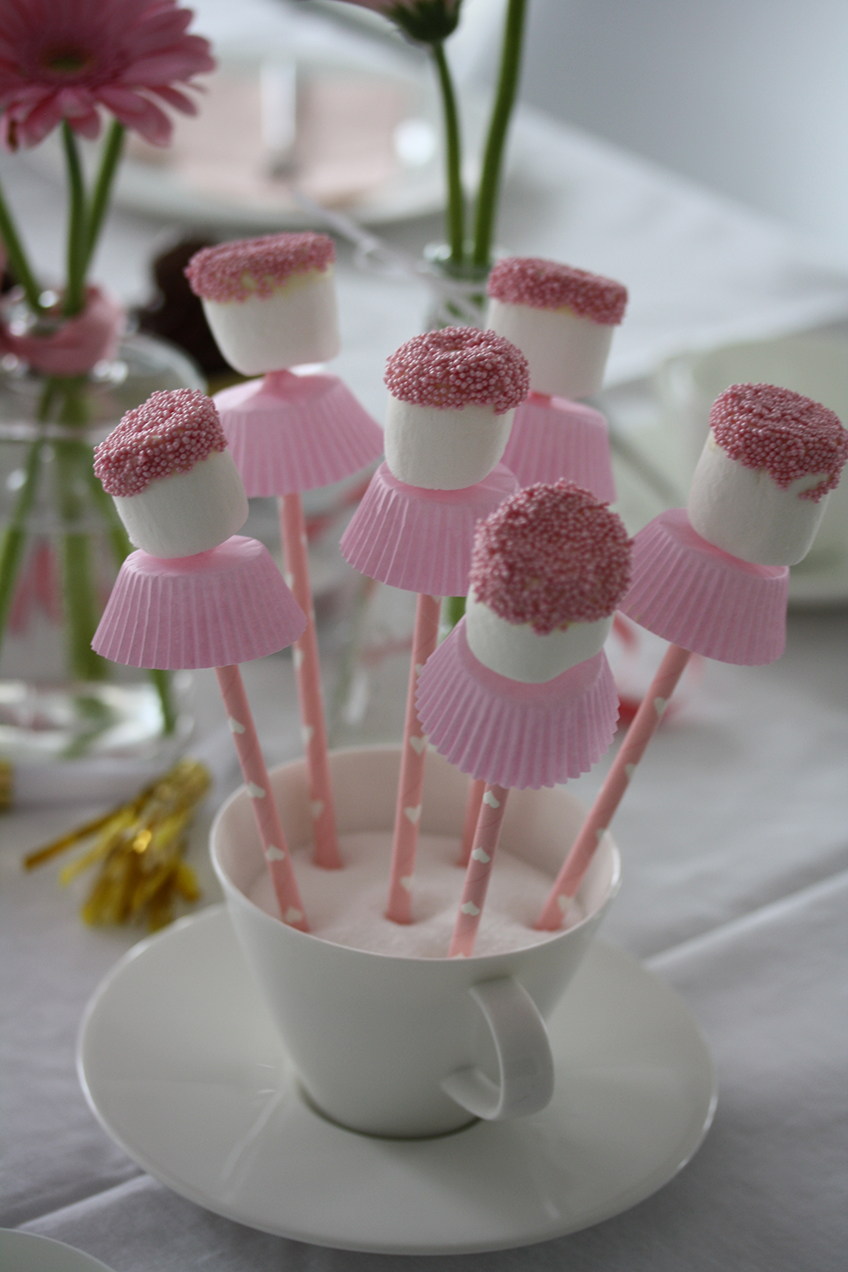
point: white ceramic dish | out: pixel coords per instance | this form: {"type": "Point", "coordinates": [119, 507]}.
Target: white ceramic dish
{"type": "Point", "coordinates": [27, 1252]}
{"type": "Point", "coordinates": [216, 173]}
{"type": "Point", "coordinates": [184, 1069]}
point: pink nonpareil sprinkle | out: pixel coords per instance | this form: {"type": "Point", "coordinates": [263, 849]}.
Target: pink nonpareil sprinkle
{"type": "Point", "coordinates": [542, 284]}
{"type": "Point", "coordinates": [169, 433]}
{"type": "Point", "coordinates": [257, 267]}
{"type": "Point", "coordinates": [790, 436]}
{"type": "Point", "coordinates": [551, 555]}
{"type": "Point", "coordinates": [458, 367]}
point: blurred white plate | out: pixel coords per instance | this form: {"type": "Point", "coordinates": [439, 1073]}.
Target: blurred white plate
{"type": "Point", "coordinates": [816, 366]}
{"type": "Point", "coordinates": [26, 1252]}
{"type": "Point", "coordinates": [367, 141]}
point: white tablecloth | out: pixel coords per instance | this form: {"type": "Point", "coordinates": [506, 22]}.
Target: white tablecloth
{"type": "Point", "coordinates": [734, 837]}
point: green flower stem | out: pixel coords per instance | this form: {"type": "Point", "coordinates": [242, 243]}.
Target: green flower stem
{"type": "Point", "coordinates": [455, 212]}
{"type": "Point", "coordinates": [78, 580]}
{"type": "Point", "coordinates": [14, 535]}
{"type": "Point", "coordinates": [103, 187]}
{"type": "Point", "coordinates": [505, 99]}
{"type": "Point", "coordinates": [121, 548]}
{"type": "Point", "coordinates": [454, 610]}
{"type": "Point", "coordinates": [17, 258]}
{"type": "Point", "coordinates": [78, 253]}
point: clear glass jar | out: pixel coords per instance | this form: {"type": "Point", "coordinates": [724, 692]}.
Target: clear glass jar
{"type": "Point", "coordinates": [61, 544]}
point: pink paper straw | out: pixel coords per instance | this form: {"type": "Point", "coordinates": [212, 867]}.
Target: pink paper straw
{"type": "Point", "coordinates": [308, 674]}
{"type": "Point", "coordinates": [413, 755]}
{"type": "Point", "coordinates": [618, 779]}
{"type": "Point", "coordinates": [492, 809]}
{"type": "Point", "coordinates": [473, 801]}
{"type": "Point", "coordinates": [271, 834]}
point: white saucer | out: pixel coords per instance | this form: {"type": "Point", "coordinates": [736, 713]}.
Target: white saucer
{"type": "Point", "coordinates": [27, 1252]}
{"type": "Point", "coordinates": [183, 1068]}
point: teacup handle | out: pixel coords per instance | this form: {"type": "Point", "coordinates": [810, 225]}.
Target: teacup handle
{"type": "Point", "coordinates": [525, 1061]}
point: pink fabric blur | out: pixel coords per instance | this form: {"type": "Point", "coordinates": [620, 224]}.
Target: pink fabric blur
{"type": "Point", "coordinates": [289, 433]}
{"type": "Point", "coordinates": [77, 344]}
{"type": "Point", "coordinates": [697, 596]}
{"type": "Point", "coordinates": [514, 734]}
{"type": "Point", "coordinates": [229, 605]}
{"type": "Point", "coordinates": [421, 540]}
{"type": "Point", "coordinates": [553, 438]}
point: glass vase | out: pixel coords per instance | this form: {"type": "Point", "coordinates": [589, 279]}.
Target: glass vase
{"type": "Point", "coordinates": [463, 301]}
{"type": "Point", "coordinates": [61, 545]}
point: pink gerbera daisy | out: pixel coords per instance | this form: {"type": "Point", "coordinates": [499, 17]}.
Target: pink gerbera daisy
{"type": "Point", "coordinates": [62, 59]}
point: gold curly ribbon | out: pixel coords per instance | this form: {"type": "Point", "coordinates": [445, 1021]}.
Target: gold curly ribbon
{"type": "Point", "coordinates": [140, 848]}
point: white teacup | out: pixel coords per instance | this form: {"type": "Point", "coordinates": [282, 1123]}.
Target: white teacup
{"type": "Point", "coordinates": [405, 1046]}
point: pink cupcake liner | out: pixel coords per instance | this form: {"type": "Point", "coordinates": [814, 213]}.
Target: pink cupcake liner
{"type": "Point", "coordinates": [705, 600]}
{"type": "Point", "coordinates": [289, 433]}
{"type": "Point", "coordinates": [228, 605]}
{"type": "Point", "coordinates": [561, 439]}
{"type": "Point", "coordinates": [421, 540]}
{"type": "Point", "coordinates": [513, 734]}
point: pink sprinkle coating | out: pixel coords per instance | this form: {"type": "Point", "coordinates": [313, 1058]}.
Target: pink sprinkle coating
{"type": "Point", "coordinates": [169, 433]}
{"type": "Point", "coordinates": [458, 366]}
{"type": "Point", "coordinates": [790, 436]}
{"type": "Point", "coordinates": [551, 555]}
{"type": "Point", "coordinates": [256, 267]}
{"type": "Point", "coordinates": [541, 284]}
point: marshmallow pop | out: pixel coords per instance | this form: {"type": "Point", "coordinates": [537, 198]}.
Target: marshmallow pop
{"type": "Point", "coordinates": [271, 305]}
{"type": "Point", "coordinates": [196, 594]}
{"type": "Point", "coordinates": [452, 395]}
{"type": "Point", "coordinates": [715, 582]}
{"type": "Point", "coordinates": [521, 694]}
{"type": "Point", "coordinates": [562, 320]}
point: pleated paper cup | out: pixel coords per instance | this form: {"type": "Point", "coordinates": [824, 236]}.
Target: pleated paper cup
{"type": "Point", "coordinates": [561, 440]}
{"type": "Point", "coordinates": [510, 733]}
{"type": "Point", "coordinates": [229, 605]}
{"type": "Point", "coordinates": [693, 594]}
{"type": "Point", "coordinates": [290, 433]}
{"type": "Point", "coordinates": [421, 540]}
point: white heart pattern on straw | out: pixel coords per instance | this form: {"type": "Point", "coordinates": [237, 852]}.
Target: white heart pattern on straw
{"type": "Point", "coordinates": [297, 658]}
{"type": "Point", "coordinates": [292, 915]}
{"type": "Point", "coordinates": [235, 726]}
{"type": "Point", "coordinates": [255, 792]}
{"type": "Point", "coordinates": [562, 902]}
{"type": "Point", "coordinates": [413, 814]}
{"type": "Point", "coordinates": [629, 769]}
{"type": "Point", "coordinates": [470, 908]}
{"type": "Point", "coordinates": [275, 854]}
{"type": "Point", "coordinates": [406, 882]}
{"type": "Point", "coordinates": [489, 799]}
{"type": "Point", "coordinates": [316, 808]}
{"type": "Point", "coordinates": [307, 732]}
{"type": "Point", "coordinates": [479, 855]}
{"type": "Point", "coordinates": [418, 745]}
{"type": "Point", "coordinates": [660, 705]}
{"type": "Point", "coordinates": [419, 667]}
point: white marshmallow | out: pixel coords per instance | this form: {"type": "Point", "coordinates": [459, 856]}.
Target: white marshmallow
{"type": "Point", "coordinates": [185, 513]}
{"type": "Point", "coordinates": [517, 651]}
{"type": "Point", "coordinates": [444, 449]}
{"type": "Point", "coordinates": [567, 354]}
{"type": "Point", "coordinates": [297, 324]}
{"type": "Point", "coordinates": [744, 512]}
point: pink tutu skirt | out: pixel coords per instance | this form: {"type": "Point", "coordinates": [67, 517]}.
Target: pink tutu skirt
{"type": "Point", "coordinates": [228, 605]}
{"type": "Point", "coordinates": [555, 438]}
{"type": "Point", "coordinates": [421, 540]}
{"type": "Point", "coordinates": [513, 734]}
{"type": "Point", "coordinates": [703, 599]}
{"type": "Point", "coordinates": [289, 433]}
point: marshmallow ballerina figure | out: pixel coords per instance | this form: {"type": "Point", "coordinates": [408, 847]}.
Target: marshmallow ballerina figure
{"type": "Point", "coordinates": [562, 319]}
{"type": "Point", "coordinates": [271, 305]}
{"type": "Point", "coordinates": [452, 396]}
{"type": "Point", "coordinates": [521, 694]}
{"type": "Point", "coordinates": [197, 594]}
{"type": "Point", "coordinates": [713, 578]}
